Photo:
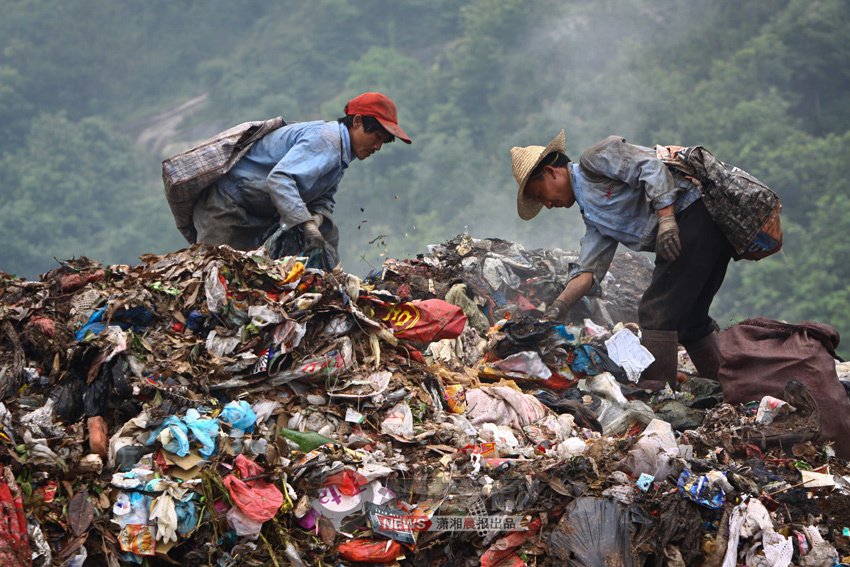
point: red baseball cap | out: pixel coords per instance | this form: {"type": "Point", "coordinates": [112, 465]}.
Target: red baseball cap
{"type": "Point", "coordinates": [381, 108]}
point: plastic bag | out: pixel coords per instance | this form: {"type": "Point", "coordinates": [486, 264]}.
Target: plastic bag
{"type": "Point", "coordinates": [524, 365]}
{"type": "Point", "coordinates": [256, 498]}
{"type": "Point", "coordinates": [614, 417]}
{"type": "Point", "coordinates": [205, 430]}
{"type": "Point", "coordinates": [239, 415]}
{"type": "Point", "coordinates": [215, 291]}
{"type": "Point", "coordinates": [14, 545]}
{"type": "Point", "coordinates": [654, 453]}
{"type": "Point", "coordinates": [173, 434]}
{"type": "Point", "coordinates": [503, 552]}
{"type": "Point", "coordinates": [593, 532]}
{"type": "Point", "coordinates": [399, 421]}
{"type": "Point", "coordinates": [371, 551]}
{"type": "Point", "coordinates": [285, 242]}
{"type": "Point", "coordinates": [422, 321]}
{"type": "Point", "coordinates": [243, 524]}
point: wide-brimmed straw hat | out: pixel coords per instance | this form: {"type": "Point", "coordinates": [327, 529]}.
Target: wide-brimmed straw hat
{"type": "Point", "coordinates": [524, 160]}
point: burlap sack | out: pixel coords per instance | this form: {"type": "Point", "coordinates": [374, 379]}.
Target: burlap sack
{"type": "Point", "coordinates": [761, 355]}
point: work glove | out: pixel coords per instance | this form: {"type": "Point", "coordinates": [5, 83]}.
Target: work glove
{"type": "Point", "coordinates": [313, 237]}
{"type": "Point", "coordinates": [558, 311]}
{"type": "Point", "coordinates": [163, 512]}
{"type": "Point", "coordinates": [667, 244]}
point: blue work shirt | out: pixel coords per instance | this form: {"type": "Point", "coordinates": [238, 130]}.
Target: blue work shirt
{"type": "Point", "coordinates": [289, 169]}
{"type": "Point", "coordinates": [619, 189]}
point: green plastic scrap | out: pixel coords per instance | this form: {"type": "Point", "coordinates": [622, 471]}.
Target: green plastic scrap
{"type": "Point", "coordinates": [159, 286]}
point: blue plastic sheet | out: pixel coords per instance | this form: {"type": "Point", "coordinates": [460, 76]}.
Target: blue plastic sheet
{"type": "Point", "coordinates": [239, 415]}
{"type": "Point", "coordinates": [136, 318]}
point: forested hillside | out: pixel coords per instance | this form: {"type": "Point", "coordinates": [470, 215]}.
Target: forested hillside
{"type": "Point", "coordinates": [94, 93]}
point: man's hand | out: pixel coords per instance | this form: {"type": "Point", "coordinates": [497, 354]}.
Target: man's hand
{"type": "Point", "coordinates": [558, 311]}
{"type": "Point", "coordinates": [313, 238]}
{"type": "Point", "coordinates": [667, 244]}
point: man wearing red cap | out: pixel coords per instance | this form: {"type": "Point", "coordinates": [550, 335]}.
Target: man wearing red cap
{"type": "Point", "coordinates": [289, 179]}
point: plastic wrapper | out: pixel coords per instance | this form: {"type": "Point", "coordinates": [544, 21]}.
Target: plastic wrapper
{"type": "Point", "coordinates": [394, 524]}
{"type": "Point", "coordinates": [594, 532]}
{"type": "Point", "coordinates": [331, 364]}
{"type": "Point", "coordinates": [399, 421]}
{"type": "Point", "coordinates": [770, 408]}
{"type": "Point", "coordinates": [370, 551]}
{"type": "Point", "coordinates": [524, 365]}
{"type": "Point", "coordinates": [644, 481]}
{"type": "Point", "coordinates": [138, 538]}
{"type": "Point", "coordinates": [455, 396]}
{"type": "Point", "coordinates": [700, 490]}
{"type": "Point", "coordinates": [41, 549]}
{"type": "Point", "coordinates": [215, 290]}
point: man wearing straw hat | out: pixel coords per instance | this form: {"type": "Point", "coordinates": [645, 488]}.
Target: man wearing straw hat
{"type": "Point", "coordinates": [628, 196]}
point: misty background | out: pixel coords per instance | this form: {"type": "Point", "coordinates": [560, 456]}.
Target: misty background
{"type": "Point", "coordinates": [95, 93]}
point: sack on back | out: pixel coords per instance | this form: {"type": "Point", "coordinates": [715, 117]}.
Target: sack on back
{"type": "Point", "coordinates": [186, 175]}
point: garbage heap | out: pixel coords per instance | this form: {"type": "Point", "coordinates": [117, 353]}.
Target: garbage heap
{"type": "Point", "coordinates": [217, 407]}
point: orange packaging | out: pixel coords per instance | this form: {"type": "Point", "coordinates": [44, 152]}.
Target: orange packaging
{"type": "Point", "coordinates": [456, 398]}
{"type": "Point", "coordinates": [138, 539]}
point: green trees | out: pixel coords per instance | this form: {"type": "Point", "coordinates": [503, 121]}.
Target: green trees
{"type": "Point", "coordinates": [763, 85]}
{"type": "Point", "coordinates": [76, 188]}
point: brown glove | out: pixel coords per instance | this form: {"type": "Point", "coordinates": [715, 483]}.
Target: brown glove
{"type": "Point", "coordinates": [558, 311]}
{"type": "Point", "coordinates": [667, 244]}
{"type": "Point", "coordinates": [313, 237]}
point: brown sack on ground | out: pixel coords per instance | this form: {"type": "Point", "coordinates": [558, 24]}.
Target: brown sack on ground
{"type": "Point", "coordinates": [761, 355]}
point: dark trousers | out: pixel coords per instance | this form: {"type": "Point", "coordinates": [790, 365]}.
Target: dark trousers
{"type": "Point", "coordinates": [680, 293]}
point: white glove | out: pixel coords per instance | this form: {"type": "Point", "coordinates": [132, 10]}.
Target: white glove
{"type": "Point", "coordinates": [165, 515]}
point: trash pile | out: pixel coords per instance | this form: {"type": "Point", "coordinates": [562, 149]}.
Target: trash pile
{"type": "Point", "coordinates": [217, 407]}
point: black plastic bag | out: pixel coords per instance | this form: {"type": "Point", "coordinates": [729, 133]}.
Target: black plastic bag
{"type": "Point", "coordinates": [291, 242]}
{"type": "Point", "coordinates": [68, 399]}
